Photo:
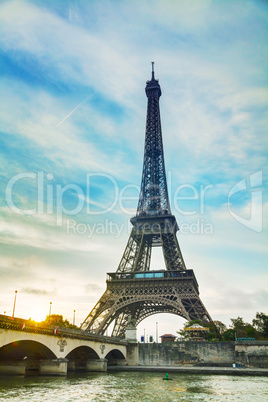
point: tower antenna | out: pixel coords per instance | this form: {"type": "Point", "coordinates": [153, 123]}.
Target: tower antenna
{"type": "Point", "coordinates": [152, 70]}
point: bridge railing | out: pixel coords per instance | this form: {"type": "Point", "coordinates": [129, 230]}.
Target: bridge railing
{"type": "Point", "coordinates": [24, 325]}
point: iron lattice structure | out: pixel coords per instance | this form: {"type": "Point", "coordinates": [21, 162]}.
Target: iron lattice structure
{"type": "Point", "coordinates": [133, 291]}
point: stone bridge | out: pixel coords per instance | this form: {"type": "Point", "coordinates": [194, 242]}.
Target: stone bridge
{"type": "Point", "coordinates": [25, 348]}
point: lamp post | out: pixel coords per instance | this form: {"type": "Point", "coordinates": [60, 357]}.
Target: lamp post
{"type": "Point", "coordinates": [74, 318]}
{"type": "Point", "coordinates": [14, 303]}
{"type": "Point", "coordinates": [156, 332]}
{"type": "Point", "coordinates": [144, 335]}
{"type": "Point", "coordinates": [50, 304]}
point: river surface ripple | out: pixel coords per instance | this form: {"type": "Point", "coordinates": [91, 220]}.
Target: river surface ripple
{"type": "Point", "coordinates": [134, 386]}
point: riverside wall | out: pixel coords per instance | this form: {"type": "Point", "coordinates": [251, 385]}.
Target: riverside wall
{"type": "Point", "coordinates": [252, 354]}
{"type": "Point", "coordinates": [221, 354]}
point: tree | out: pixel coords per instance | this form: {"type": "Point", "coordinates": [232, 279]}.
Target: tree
{"type": "Point", "coordinates": [243, 329]}
{"type": "Point", "coordinates": [229, 335]}
{"type": "Point", "coordinates": [238, 323]}
{"type": "Point", "coordinates": [57, 320]}
{"type": "Point", "coordinates": [261, 324]}
{"type": "Point", "coordinates": [251, 332]}
{"type": "Point", "coordinates": [220, 327]}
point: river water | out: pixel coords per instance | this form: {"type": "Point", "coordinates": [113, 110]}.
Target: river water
{"type": "Point", "coordinates": [134, 386]}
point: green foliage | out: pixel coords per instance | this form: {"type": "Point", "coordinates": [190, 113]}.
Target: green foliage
{"type": "Point", "coordinates": [238, 328]}
{"type": "Point", "coordinates": [229, 335]}
{"type": "Point", "coordinates": [261, 324]}
{"type": "Point", "coordinates": [243, 329]}
{"type": "Point", "coordinates": [212, 334]}
{"type": "Point", "coordinates": [251, 332]}
{"type": "Point", "coordinates": [238, 324]}
{"type": "Point", "coordinates": [56, 320]}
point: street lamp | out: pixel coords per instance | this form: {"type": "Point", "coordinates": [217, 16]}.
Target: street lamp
{"type": "Point", "coordinates": [156, 332]}
{"type": "Point", "coordinates": [74, 318]}
{"type": "Point", "coordinates": [50, 304]}
{"type": "Point", "coordinates": [14, 303]}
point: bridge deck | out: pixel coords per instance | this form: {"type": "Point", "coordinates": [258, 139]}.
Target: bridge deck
{"type": "Point", "coordinates": [19, 324]}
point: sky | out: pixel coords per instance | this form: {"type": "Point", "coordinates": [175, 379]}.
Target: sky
{"type": "Point", "coordinates": [73, 113]}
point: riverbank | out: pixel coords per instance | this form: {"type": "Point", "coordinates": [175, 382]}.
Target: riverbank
{"type": "Point", "coordinates": [246, 371]}
{"type": "Point", "coordinates": [252, 354]}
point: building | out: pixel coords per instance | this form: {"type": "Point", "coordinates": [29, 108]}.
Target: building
{"type": "Point", "coordinates": [167, 338]}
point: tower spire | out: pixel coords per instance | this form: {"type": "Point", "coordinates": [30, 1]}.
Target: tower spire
{"type": "Point", "coordinates": [153, 198]}
{"type": "Point", "coordinates": [152, 70]}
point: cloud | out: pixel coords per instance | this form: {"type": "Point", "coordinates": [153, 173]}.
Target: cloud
{"type": "Point", "coordinates": [92, 288]}
{"type": "Point", "coordinates": [60, 47]}
{"type": "Point", "coordinates": [38, 292]}
{"type": "Point", "coordinates": [30, 231]}
{"type": "Point", "coordinates": [199, 128]}
{"type": "Point", "coordinates": [212, 74]}
{"type": "Point", "coordinates": [234, 301]}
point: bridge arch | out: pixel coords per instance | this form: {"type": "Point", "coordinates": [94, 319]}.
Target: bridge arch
{"type": "Point", "coordinates": [25, 349]}
{"type": "Point", "coordinates": [115, 357]}
{"type": "Point", "coordinates": [23, 356]}
{"type": "Point", "coordinates": [80, 357]}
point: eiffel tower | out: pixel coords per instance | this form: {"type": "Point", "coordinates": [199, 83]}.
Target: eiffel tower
{"type": "Point", "coordinates": [133, 291]}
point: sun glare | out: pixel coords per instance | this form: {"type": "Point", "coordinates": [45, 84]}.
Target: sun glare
{"type": "Point", "coordinates": [37, 315]}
